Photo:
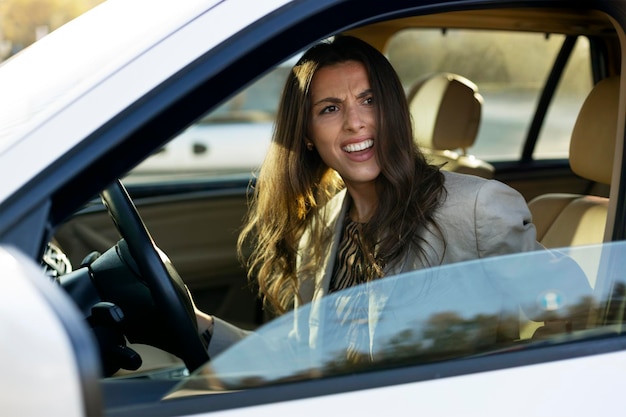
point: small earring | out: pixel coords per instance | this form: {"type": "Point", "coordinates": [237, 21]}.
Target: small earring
{"type": "Point", "coordinates": [309, 146]}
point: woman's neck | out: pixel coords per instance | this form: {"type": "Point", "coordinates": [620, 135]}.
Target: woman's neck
{"type": "Point", "coordinates": [364, 202]}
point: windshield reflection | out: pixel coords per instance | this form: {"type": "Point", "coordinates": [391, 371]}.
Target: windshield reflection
{"type": "Point", "coordinates": [454, 311]}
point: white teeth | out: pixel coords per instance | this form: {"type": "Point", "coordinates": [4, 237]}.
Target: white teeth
{"type": "Point", "coordinates": [355, 147]}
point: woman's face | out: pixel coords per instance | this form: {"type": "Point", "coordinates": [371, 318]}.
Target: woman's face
{"type": "Point", "coordinates": [343, 121]}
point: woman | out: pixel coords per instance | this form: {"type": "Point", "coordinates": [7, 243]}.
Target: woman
{"type": "Point", "coordinates": [345, 196]}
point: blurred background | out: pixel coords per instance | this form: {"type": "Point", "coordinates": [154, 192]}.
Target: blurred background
{"type": "Point", "coordinates": [22, 22]}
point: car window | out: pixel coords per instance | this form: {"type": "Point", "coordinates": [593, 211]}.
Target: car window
{"type": "Point", "coordinates": [231, 139]}
{"type": "Point", "coordinates": [462, 310]}
{"type": "Point", "coordinates": [510, 69]}
{"type": "Point", "coordinates": [575, 84]}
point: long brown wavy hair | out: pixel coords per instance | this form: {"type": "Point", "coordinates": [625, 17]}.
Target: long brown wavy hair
{"type": "Point", "coordinates": [294, 183]}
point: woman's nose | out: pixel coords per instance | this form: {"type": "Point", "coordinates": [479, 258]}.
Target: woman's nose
{"type": "Point", "coordinates": [353, 118]}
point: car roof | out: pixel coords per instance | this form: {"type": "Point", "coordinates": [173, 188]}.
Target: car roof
{"type": "Point", "coordinates": [566, 21]}
{"type": "Point", "coordinates": [63, 65]}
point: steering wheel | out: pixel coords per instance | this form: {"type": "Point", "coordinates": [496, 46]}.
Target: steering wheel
{"type": "Point", "coordinates": [172, 313]}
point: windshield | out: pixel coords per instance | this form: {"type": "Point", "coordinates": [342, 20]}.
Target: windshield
{"type": "Point", "coordinates": [479, 307]}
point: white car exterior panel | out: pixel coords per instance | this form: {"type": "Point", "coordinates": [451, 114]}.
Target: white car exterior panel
{"type": "Point", "coordinates": [62, 66]}
{"type": "Point", "coordinates": [113, 92]}
{"type": "Point", "coordinates": [39, 369]}
{"type": "Point", "coordinates": [574, 387]}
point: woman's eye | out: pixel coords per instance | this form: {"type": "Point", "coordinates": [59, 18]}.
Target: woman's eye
{"type": "Point", "coordinates": [368, 100]}
{"type": "Point", "coordinates": [329, 109]}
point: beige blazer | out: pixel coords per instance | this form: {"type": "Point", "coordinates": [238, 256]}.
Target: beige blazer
{"type": "Point", "coordinates": [478, 218]}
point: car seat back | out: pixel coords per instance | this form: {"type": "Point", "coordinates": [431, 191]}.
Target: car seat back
{"type": "Point", "coordinates": [573, 219]}
{"type": "Point", "coordinates": [446, 110]}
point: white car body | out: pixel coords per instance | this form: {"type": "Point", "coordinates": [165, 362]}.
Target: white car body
{"type": "Point", "coordinates": [537, 390]}
{"type": "Point", "coordinates": [44, 345]}
{"type": "Point", "coordinates": [42, 372]}
{"type": "Point", "coordinates": [143, 66]}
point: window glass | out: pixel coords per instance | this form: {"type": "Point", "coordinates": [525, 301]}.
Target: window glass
{"type": "Point", "coordinates": [463, 310]}
{"type": "Point", "coordinates": [510, 70]}
{"type": "Point", "coordinates": [576, 82]}
{"type": "Point", "coordinates": [231, 139]}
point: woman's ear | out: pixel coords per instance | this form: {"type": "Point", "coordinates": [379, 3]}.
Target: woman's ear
{"type": "Point", "coordinates": [309, 144]}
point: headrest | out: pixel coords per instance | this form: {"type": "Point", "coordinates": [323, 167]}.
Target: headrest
{"type": "Point", "coordinates": [592, 146]}
{"type": "Point", "coordinates": [446, 111]}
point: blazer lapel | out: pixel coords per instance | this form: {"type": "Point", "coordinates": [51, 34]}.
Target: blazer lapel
{"type": "Point", "coordinates": [313, 289]}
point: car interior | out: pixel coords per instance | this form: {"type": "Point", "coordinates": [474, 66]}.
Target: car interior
{"type": "Point", "coordinates": [446, 132]}
{"type": "Point", "coordinates": [195, 219]}
{"type": "Point", "coordinates": [573, 219]}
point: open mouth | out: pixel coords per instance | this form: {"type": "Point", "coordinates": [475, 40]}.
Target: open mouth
{"type": "Point", "coordinates": [361, 146]}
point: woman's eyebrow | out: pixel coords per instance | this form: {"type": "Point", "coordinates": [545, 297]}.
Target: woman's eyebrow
{"type": "Point", "coordinates": [363, 94]}
{"type": "Point", "coordinates": [327, 100]}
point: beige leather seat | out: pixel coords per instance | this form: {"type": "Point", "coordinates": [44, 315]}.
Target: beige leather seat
{"type": "Point", "coordinates": [446, 110]}
{"type": "Point", "coordinates": [572, 219]}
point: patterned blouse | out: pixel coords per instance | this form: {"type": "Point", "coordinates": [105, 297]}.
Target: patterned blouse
{"type": "Point", "coordinates": [350, 320]}
{"type": "Point", "coordinates": [350, 262]}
